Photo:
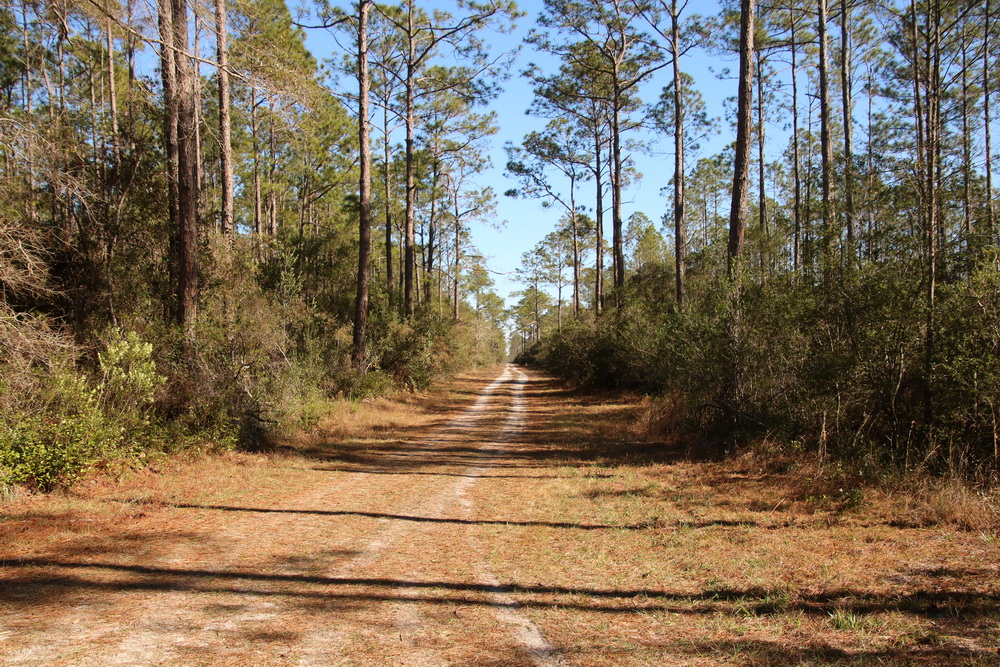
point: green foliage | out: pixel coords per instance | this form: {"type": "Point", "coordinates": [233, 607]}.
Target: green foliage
{"type": "Point", "coordinates": [42, 452]}
{"type": "Point", "coordinates": [841, 370]}
{"type": "Point", "coordinates": [56, 445]}
{"type": "Point", "coordinates": [89, 348]}
{"type": "Point", "coordinates": [129, 379]}
{"type": "Point", "coordinates": [843, 619]}
{"type": "Point", "coordinates": [414, 353]}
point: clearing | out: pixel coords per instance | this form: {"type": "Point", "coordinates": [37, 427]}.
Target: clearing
{"type": "Point", "coordinates": [499, 520]}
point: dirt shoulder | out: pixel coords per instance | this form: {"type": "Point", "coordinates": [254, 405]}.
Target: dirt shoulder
{"type": "Point", "coordinates": [499, 520]}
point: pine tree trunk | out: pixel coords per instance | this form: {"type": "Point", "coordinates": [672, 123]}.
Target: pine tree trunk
{"type": "Point", "coordinates": [616, 193]}
{"type": "Point", "coordinates": [187, 188]}
{"type": "Point", "coordinates": [61, 54]}
{"type": "Point", "coordinates": [987, 129]}
{"type": "Point", "coordinates": [826, 144]}
{"type": "Point", "coordinates": [576, 246]}
{"type": "Point", "coordinates": [735, 364]}
{"type": "Point", "coordinates": [848, 122]}
{"type": "Point", "coordinates": [26, 94]}
{"type": "Point", "coordinates": [431, 233]}
{"type": "Point", "coordinates": [389, 286]}
{"type": "Point", "coordinates": [225, 122]}
{"type": "Point", "coordinates": [599, 223]}
{"type": "Point", "coordinates": [196, 85]}
{"type": "Point", "coordinates": [112, 94]}
{"type": "Point", "coordinates": [168, 74]}
{"type": "Point", "coordinates": [130, 41]}
{"type": "Point", "coordinates": [921, 121]}
{"type": "Point", "coordinates": [761, 164]}
{"type": "Point", "coordinates": [808, 230]}
{"type": "Point", "coordinates": [680, 233]}
{"type": "Point", "coordinates": [559, 291]}
{"type": "Point", "coordinates": [934, 135]}
{"type": "Point", "coordinates": [871, 247]}
{"type": "Point", "coordinates": [741, 175]}
{"type": "Point", "coordinates": [255, 137]}
{"type": "Point", "coordinates": [966, 149]}
{"type": "Point", "coordinates": [364, 191]}
{"type": "Point", "coordinates": [303, 199]}
{"type": "Point", "coordinates": [409, 298]}
{"type": "Point", "coordinates": [272, 166]}
{"type": "Point", "coordinates": [796, 160]}
{"type": "Point", "coordinates": [458, 258]}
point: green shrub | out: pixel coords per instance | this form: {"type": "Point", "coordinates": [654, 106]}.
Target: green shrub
{"type": "Point", "coordinates": [129, 379]}
{"type": "Point", "coordinates": [43, 452]}
{"type": "Point", "coordinates": [413, 353]}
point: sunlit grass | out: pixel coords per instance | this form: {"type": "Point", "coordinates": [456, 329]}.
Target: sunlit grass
{"type": "Point", "coordinates": [722, 561]}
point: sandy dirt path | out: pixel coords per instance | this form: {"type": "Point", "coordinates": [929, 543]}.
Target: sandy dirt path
{"type": "Point", "coordinates": [349, 569]}
{"type": "Point", "coordinates": [503, 519]}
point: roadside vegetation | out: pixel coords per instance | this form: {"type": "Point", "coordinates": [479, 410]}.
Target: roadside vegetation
{"type": "Point", "coordinates": [620, 542]}
{"type": "Point", "coordinates": [837, 372]}
{"type": "Point", "coordinates": [828, 283]}
{"type": "Point", "coordinates": [750, 557]}
{"type": "Point", "coordinates": [179, 238]}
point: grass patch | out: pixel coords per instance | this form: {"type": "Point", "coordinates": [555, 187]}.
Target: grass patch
{"type": "Point", "coordinates": [842, 619]}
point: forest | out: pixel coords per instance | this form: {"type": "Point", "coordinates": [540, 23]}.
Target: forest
{"type": "Point", "coordinates": [180, 249]}
{"type": "Point", "coordinates": [207, 233]}
{"type": "Point", "coordinates": [841, 299]}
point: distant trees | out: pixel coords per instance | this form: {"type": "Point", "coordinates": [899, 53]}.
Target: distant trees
{"type": "Point", "coordinates": [872, 302]}
{"type": "Point", "coordinates": [577, 100]}
{"type": "Point", "coordinates": [466, 202]}
{"type": "Point", "coordinates": [424, 37]}
{"type": "Point", "coordinates": [604, 42]}
{"type": "Point", "coordinates": [455, 139]}
{"type": "Point", "coordinates": [563, 149]}
{"type": "Point", "coordinates": [680, 98]}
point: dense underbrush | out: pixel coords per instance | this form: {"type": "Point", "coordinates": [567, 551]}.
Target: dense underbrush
{"type": "Point", "coordinates": [270, 352]}
{"type": "Point", "coordinates": [803, 479]}
{"type": "Point", "coordinates": [848, 374]}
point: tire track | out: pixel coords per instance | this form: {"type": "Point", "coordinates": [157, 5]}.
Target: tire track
{"type": "Point", "coordinates": [320, 647]}
{"type": "Point", "coordinates": [191, 605]}
{"type": "Point", "coordinates": [506, 610]}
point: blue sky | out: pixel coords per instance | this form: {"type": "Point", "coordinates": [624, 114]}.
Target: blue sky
{"type": "Point", "coordinates": [522, 223]}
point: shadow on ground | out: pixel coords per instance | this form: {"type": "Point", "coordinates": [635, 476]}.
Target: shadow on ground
{"type": "Point", "coordinates": [550, 439]}
{"type": "Point", "coordinates": [591, 437]}
{"type": "Point", "coordinates": [52, 576]}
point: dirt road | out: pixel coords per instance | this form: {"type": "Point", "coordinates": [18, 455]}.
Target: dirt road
{"type": "Point", "coordinates": [372, 562]}
{"type": "Point", "coordinates": [507, 526]}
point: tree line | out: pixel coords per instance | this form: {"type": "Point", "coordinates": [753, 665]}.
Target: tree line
{"type": "Point", "coordinates": [832, 273]}
{"type": "Point", "coordinates": [189, 200]}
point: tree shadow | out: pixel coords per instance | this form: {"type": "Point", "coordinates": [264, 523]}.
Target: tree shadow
{"type": "Point", "coordinates": [427, 519]}
{"type": "Point", "coordinates": [774, 653]}
{"type": "Point", "coordinates": [545, 440]}
{"type": "Point", "coordinates": [41, 579]}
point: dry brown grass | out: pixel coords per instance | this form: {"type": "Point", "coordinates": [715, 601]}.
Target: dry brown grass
{"type": "Point", "coordinates": [98, 511]}
{"type": "Point", "coordinates": [924, 501]}
{"type": "Point", "coordinates": [913, 499]}
{"type": "Point", "coordinates": [622, 549]}
{"type": "Point", "coordinates": [737, 560]}
{"type": "Point", "coordinates": [236, 559]}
